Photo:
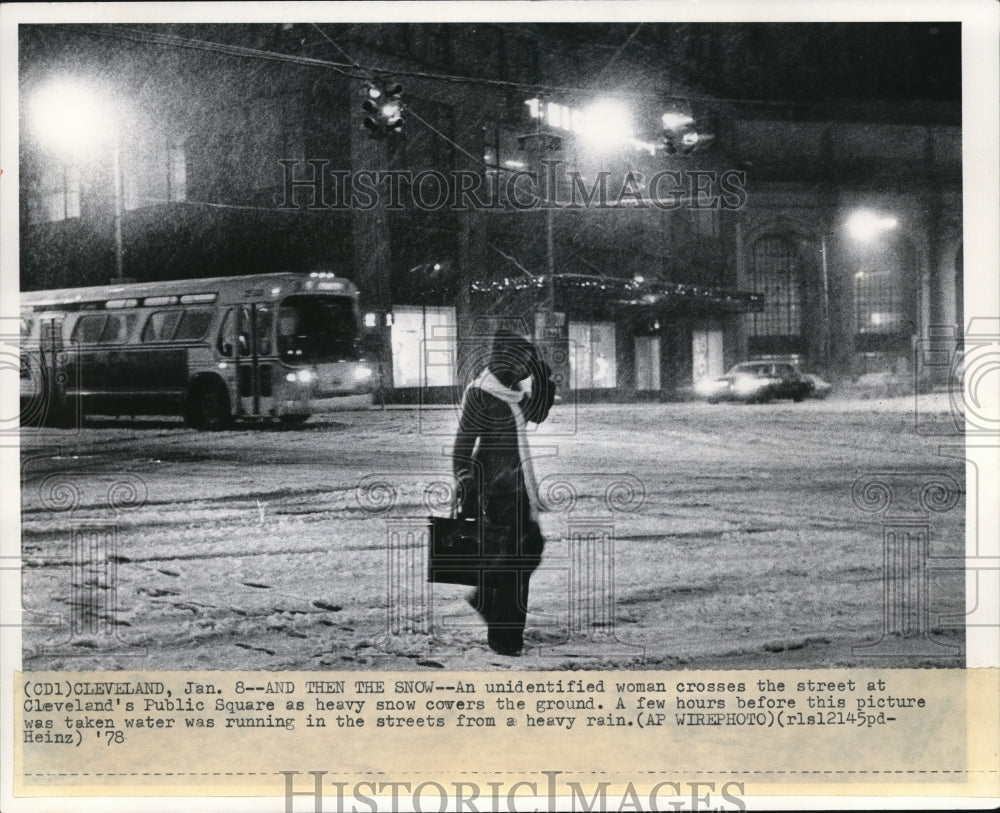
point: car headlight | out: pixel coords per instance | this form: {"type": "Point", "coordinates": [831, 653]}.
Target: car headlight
{"type": "Point", "coordinates": [707, 386]}
{"type": "Point", "coordinates": [301, 377]}
{"type": "Point", "coordinates": [362, 373]}
{"type": "Point", "coordinates": [747, 385]}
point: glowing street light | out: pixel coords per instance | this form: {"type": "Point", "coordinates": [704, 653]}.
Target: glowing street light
{"type": "Point", "coordinates": [70, 118]}
{"type": "Point", "coordinates": [864, 226]}
{"type": "Point", "coordinates": [676, 121]}
{"type": "Point", "coordinates": [605, 124]}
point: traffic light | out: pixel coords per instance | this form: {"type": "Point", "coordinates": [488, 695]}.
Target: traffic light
{"type": "Point", "coordinates": [383, 108]}
{"type": "Point", "coordinates": [680, 137]}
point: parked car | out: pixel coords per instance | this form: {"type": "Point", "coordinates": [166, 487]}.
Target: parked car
{"type": "Point", "coordinates": [820, 388]}
{"type": "Point", "coordinates": [757, 382]}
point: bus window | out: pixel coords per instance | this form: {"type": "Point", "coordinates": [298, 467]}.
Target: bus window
{"type": "Point", "coordinates": [262, 329]}
{"type": "Point", "coordinates": [224, 343]}
{"type": "Point", "coordinates": [160, 326]}
{"type": "Point", "coordinates": [313, 329]}
{"type": "Point", "coordinates": [193, 325]}
{"type": "Point", "coordinates": [88, 328]}
{"type": "Point", "coordinates": [117, 328]}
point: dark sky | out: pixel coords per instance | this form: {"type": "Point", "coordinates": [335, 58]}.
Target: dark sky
{"type": "Point", "coordinates": [797, 62]}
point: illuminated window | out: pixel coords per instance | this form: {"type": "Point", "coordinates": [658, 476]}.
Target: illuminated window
{"type": "Point", "coordinates": [424, 346]}
{"type": "Point", "coordinates": [592, 355]}
{"type": "Point", "coordinates": [878, 303]}
{"type": "Point", "coordinates": [56, 195]}
{"type": "Point", "coordinates": [884, 302]}
{"type": "Point", "coordinates": [773, 273]}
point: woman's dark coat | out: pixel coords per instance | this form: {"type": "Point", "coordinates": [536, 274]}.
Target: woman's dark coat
{"type": "Point", "coordinates": [487, 465]}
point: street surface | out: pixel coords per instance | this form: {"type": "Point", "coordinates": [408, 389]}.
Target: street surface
{"type": "Point", "coordinates": [255, 549]}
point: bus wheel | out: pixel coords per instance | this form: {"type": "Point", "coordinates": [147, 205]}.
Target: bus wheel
{"type": "Point", "coordinates": [208, 406]}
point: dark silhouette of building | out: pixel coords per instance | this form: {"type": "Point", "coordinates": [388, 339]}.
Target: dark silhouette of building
{"type": "Point", "coordinates": [235, 141]}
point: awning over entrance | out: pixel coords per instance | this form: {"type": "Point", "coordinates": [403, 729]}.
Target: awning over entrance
{"type": "Point", "coordinates": [606, 292]}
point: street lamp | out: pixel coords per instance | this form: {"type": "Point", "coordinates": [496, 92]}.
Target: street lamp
{"type": "Point", "coordinates": [71, 119]}
{"type": "Point", "coordinates": [859, 280]}
{"type": "Point", "coordinates": [864, 225]}
{"type": "Point", "coordinates": [606, 124]}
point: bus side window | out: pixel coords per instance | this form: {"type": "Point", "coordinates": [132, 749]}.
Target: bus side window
{"type": "Point", "coordinates": [117, 328]}
{"type": "Point", "coordinates": [243, 333]}
{"type": "Point", "coordinates": [264, 319]}
{"type": "Point", "coordinates": [262, 329]}
{"type": "Point", "coordinates": [88, 328]}
{"type": "Point", "coordinates": [160, 326]}
{"type": "Point", "coordinates": [193, 325]}
{"type": "Point", "coordinates": [224, 343]}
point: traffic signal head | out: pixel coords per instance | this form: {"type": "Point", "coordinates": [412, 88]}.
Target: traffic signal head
{"type": "Point", "coordinates": [383, 108]}
{"type": "Point", "coordinates": [681, 137]}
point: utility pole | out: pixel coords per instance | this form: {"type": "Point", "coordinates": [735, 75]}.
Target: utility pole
{"type": "Point", "coordinates": [116, 160]}
{"type": "Point", "coordinates": [550, 267]}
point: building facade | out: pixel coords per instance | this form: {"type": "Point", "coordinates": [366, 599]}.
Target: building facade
{"type": "Point", "coordinates": [242, 149]}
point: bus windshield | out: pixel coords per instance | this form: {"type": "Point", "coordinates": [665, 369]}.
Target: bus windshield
{"type": "Point", "coordinates": [313, 329]}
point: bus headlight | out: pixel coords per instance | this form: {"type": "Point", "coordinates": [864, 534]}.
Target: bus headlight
{"type": "Point", "coordinates": [301, 377]}
{"type": "Point", "coordinates": [362, 373]}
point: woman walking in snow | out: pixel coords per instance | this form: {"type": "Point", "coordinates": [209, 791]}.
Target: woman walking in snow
{"type": "Point", "coordinates": [492, 466]}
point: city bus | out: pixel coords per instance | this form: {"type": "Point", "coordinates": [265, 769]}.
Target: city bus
{"type": "Point", "coordinates": [279, 346]}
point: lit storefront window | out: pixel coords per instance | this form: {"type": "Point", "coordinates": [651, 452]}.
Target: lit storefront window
{"type": "Point", "coordinates": [592, 355]}
{"type": "Point", "coordinates": [424, 346]}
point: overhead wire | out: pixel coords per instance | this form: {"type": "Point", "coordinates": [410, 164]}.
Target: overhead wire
{"type": "Point", "coordinates": [351, 69]}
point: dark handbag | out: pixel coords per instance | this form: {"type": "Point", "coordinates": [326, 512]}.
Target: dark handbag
{"type": "Point", "coordinates": [462, 550]}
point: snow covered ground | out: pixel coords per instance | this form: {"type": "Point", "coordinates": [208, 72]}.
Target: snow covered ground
{"type": "Point", "coordinates": [719, 537]}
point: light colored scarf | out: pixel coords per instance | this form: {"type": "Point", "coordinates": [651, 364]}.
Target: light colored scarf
{"type": "Point", "coordinates": [488, 382]}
